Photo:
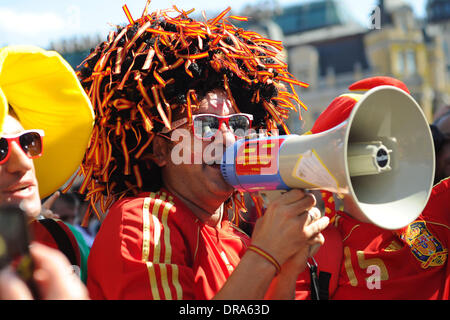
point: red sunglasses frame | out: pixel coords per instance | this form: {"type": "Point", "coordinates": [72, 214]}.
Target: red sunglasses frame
{"type": "Point", "coordinates": [16, 138]}
{"type": "Point", "coordinates": [178, 123]}
{"type": "Point", "coordinates": [222, 119]}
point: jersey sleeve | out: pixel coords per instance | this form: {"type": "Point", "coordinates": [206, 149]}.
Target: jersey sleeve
{"type": "Point", "coordinates": [139, 253]}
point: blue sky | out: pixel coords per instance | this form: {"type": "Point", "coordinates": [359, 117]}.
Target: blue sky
{"type": "Point", "coordinates": [40, 22]}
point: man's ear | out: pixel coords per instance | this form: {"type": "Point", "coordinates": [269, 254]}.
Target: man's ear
{"type": "Point", "coordinates": [161, 151]}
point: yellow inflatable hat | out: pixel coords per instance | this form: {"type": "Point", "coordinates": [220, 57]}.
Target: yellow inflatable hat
{"type": "Point", "coordinates": [45, 93]}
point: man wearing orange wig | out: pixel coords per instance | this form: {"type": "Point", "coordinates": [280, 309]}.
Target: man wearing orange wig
{"type": "Point", "coordinates": [167, 232]}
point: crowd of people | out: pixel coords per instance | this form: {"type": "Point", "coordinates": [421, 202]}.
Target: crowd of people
{"type": "Point", "coordinates": [92, 158]}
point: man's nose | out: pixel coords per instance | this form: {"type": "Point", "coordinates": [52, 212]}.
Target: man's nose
{"type": "Point", "coordinates": [228, 134]}
{"type": "Point", "coordinates": [18, 160]}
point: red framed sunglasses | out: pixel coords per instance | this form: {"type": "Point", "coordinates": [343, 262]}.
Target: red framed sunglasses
{"type": "Point", "coordinates": [30, 141]}
{"type": "Point", "coordinates": [206, 125]}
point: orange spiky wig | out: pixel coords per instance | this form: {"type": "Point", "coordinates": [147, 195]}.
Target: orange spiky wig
{"type": "Point", "coordinates": [160, 66]}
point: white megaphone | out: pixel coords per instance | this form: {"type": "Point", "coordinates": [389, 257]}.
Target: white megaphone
{"type": "Point", "coordinates": [382, 156]}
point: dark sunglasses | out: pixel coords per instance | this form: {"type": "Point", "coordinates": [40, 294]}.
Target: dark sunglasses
{"type": "Point", "coordinates": [30, 141]}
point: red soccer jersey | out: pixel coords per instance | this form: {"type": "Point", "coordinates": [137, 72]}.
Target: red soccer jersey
{"type": "Point", "coordinates": [409, 264]}
{"type": "Point", "coordinates": [153, 247]}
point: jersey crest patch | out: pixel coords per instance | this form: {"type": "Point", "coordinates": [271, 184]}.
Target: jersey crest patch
{"type": "Point", "coordinates": [424, 245]}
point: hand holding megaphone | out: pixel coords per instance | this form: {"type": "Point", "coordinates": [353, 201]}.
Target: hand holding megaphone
{"type": "Point", "coordinates": [290, 226]}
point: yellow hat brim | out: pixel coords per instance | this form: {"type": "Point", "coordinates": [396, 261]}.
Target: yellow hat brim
{"type": "Point", "coordinates": [45, 93]}
{"type": "Point", "coordinates": [3, 109]}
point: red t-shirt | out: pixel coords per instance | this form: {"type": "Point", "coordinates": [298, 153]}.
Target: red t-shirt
{"type": "Point", "coordinates": [153, 247]}
{"type": "Point", "coordinates": [411, 263]}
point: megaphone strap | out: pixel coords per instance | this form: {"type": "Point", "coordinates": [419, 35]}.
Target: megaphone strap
{"type": "Point", "coordinates": [314, 279]}
{"type": "Point", "coordinates": [320, 282]}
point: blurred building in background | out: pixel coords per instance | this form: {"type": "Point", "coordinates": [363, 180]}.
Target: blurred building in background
{"type": "Point", "coordinates": [438, 23]}
{"type": "Point", "coordinates": [75, 49]}
{"type": "Point", "coordinates": [405, 48]}
{"type": "Point", "coordinates": [328, 49]}
{"type": "Point", "coordinates": [325, 48]}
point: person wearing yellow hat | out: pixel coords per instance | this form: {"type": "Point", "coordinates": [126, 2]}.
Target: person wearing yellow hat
{"type": "Point", "coordinates": [45, 123]}
{"type": "Point", "coordinates": [43, 91]}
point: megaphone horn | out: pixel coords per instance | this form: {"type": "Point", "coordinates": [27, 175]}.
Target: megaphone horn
{"type": "Point", "coordinates": [382, 156]}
